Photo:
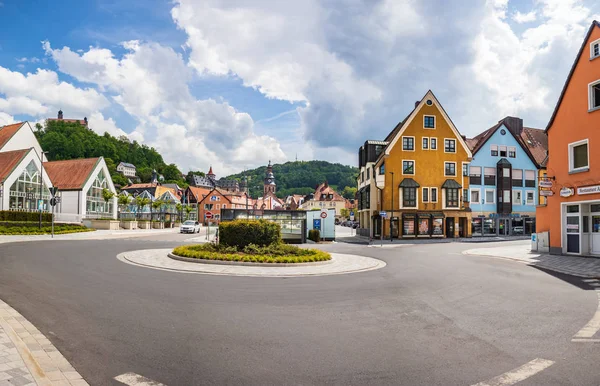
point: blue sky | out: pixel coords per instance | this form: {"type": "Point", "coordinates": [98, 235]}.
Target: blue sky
{"type": "Point", "coordinates": [235, 83]}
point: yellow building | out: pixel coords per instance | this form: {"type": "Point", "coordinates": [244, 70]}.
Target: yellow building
{"type": "Point", "coordinates": [420, 177]}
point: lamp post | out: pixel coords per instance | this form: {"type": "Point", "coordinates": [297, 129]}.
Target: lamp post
{"type": "Point", "coordinates": [392, 214]}
{"type": "Point", "coordinates": [1, 196]}
{"type": "Point", "coordinates": [41, 202]}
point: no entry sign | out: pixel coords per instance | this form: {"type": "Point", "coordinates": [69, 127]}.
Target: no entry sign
{"type": "Point", "coordinates": [208, 215]}
{"type": "Point", "coordinates": [323, 214]}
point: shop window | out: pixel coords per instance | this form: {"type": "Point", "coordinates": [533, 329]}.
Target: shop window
{"type": "Point", "coordinates": [517, 177]}
{"type": "Point", "coordinates": [437, 226]}
{"type": "Point", "coordinates": [489, 177]}
{"type": "Point", "coordinates": [408, 226]}
{"type": "Point", "coordinates": [409, 197]}
{"type": "Point", "coordinates": [494, 150]}
{"type": "Point", "coordinates": [596, 224]}
{"type": "Point", "coordinates": [572, 224]}
{"type": "Point", "coordinates": [530, 178]}
{"type": "Point", "coordinates": [578, 156]}
{"type": "Point", "coordinates": [424, 226]}
{"type": "Point", "coordinates": [595, 208]}
{"type": "Point", "coordinates": [476, 227]}
{"type": "Point", "coordinates": [452, 198]}
{"type": "Point", "coordinates": [475, 175]}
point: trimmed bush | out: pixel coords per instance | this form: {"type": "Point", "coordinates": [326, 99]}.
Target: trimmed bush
{"type": "Point", "coordinates": [275, 253]}
{"type": "Point", "coordinates": [314, 235]}
{"type": "Point", "coordinates": [10, 215]}
{"type": "Point", "coordinates": [240, 233]}
{"type": "Point", "coordinates": [32, 228]}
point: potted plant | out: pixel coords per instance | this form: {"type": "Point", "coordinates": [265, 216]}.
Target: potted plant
{"type": "Point", "coordinates": [107, 223]}
{"type": "Point", "coordinates": [179, 209]}
{"type": "Point", "coordinates": [141, 203]}
{"type": "Point", "coordinates": [126, 223]}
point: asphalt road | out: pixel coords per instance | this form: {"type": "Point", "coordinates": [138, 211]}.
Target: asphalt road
{"type": "Point", "coordinates": [431, 317]}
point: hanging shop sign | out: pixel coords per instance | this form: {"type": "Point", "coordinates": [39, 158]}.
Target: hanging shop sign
{"type": "Point", "coordinates": [566, 192]}
{"type": "Point", "coordinates": [546, 183]}
{"type": "Point", "coordinates": [589, 189]}
{"type": "Point", "coordinates": [546, 193]}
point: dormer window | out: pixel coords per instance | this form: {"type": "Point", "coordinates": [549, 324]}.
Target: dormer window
{"type": "Point", "coordinates": [595, 49]}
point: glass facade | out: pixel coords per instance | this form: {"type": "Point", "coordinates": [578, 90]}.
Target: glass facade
{"type": "Point", "coordinates": [95, 204]}
{"type": "Point", "coordinates": [292, 222]}
{"type": "Point", "coordinates": [25, 192]}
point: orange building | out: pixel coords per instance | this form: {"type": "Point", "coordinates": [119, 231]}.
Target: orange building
{"type": "Point", "coordinates": [218, 199]}
{"type": "Point", "coordinates": [571, 216]}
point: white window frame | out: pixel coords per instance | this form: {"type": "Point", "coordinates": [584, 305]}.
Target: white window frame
{"type": "Point", "coordinates": [414, 167]}
{"type": "Point", "coordinates": [591, 96]}
{"type": "Point", "coordinates": [450, 152]}
{"type": "Point", "coordinates": [434, 122]}
{"type": "Point", "coordinates": [571, 147]}
{"type": "Point", "coordinates": [532, 202]}
{"type": "Point", "coordinates": [423, 194]}
{"type": "Point", "coordinates": [502, 148]}
{"type": "Point", "coordinates": [494, 148]}
{"type": "Point", "coordinates": [436, 142]}
{"type": "Point", "coordinates": [493, 196]}
{"type": "Point", "coordinates": [423, 139]}
{"type": "Point", "coordinates": [450, 175]}
{"type": "Point", "coordinates": [513, 149]}
{"type": "Point", "coordinates": [478, 194]}
{"type": "Point", "coordinates": [592, 44]}
{"type": "Point", "coordinates": [520, 191]}
{"type": "Point", "coordinates": [414, 144]}
{"type": "Point", "coordinates": [437, 191]}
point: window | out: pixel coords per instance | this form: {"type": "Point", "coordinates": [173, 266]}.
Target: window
{"type": "Point", "coordinates": [529, 197]}
{"type": "Point", "coordinates": [450, 146]}
{"type": "Point", "coordinates": [512, 152]}
{"type": "Point", "coordinates": [594, 95]}
{"type": "Point", "coordinates": [433, 143]}
{"type": "Point", "coordinates": [215, 198]}
{"type": "Point", "coordinates": [506, 196]}
{"type": "Point", "coordinates": [425, 194]}
{"type": "Point", "coordinates": [382, 169]}
{"type": "Point", "coordinates": [517, 177]}
{"type": "Point", "coordinates": [451, 198]}
{"type": "Point", "coordinates": [578, 156]}
{"type": "Point", "coordinates": [475, 175]}
{"type": "Point", "coordinates": [489, 196]}
{"type": "Point", "coordinates": [494, 149]}
{"type": "Point", "coordinates": [408, 143]}
{"type": "Point", "coordinates": [429, 122]}
{"type": "Point", "coordinates": [450, 169]}
{"type": "Point", "coordinates": [517, 198]}
{"type": "Point", "coordinates": [595, 49]}
{"type": "Point", "coordinates": [96, 206]}
{"type": "Point", "coordinates": [409, 197]}
{"type": "Point", "coordinates": [475, 199]}
{"type": "Point", "coordinates": [502, 151]}
{"type": "Point", "coordinates": [465, 168]}
{"type": "Point", "coordinates": [425, 143]}
{"type": "Point", "coordinates": [433, 194]}
{"type": "Point", "coordinates": [362, 176]}
{"type": "Point", "coordinates": [572, 208]}
{"type": "Point", "coordinates": [368, 174]}
{"type": "Point", "coordinates": [465, 195]}
{"type": "Point", "coordinates": [489, 176]}
{"type": "Point", "coordinates": [217, 206]}
{"type": "Point", "coordinates": [530, 178]}
{"type": "Point", "coordinates": [408, 167]}
{"type": "Point", "coordinates": [208, 206]}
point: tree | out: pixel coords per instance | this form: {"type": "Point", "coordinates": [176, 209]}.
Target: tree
{"type": "Point", "coordinates": [188, 210]}
{"type": "Point", "coordinates": [171, 173]}
{"type": "Point", "coordinates": [349, 192]}
{"type": "Point", "coordinates": [345, 213]}
{"type": "Point", "coordinates": [123, 201]}
{"type": "Point", "coordinates": [107, 195]}
{"type": "Point", "coordinates": [141, 203]}
{"type": "Point", "coordinates": [179, 208]}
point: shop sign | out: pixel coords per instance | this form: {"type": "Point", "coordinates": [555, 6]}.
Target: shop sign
{"type": "Point", "coordinates": [589, 189]}
{"type": "Point", "coordinates": [566, 192]}
{"type": "Point", "coordinates": [573, 226]}
{"type": "Point", "coordinates": [546, 193]}
{"type": "Point", "coordinates": [546, 183]}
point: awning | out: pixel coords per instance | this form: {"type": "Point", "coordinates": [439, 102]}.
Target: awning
{"type": "Point", "coordinates": [409, 183]}
{"type": "Point", "coordinates": [408, 215]}
{"type": "Point", "coordinates": [424, 215]}
{"type": "Point", "coordinates": [451, 184]}
{"type": "Point", "coordinates": [503, 162]}
{"type": "Point", "coordinates": [437, 215]}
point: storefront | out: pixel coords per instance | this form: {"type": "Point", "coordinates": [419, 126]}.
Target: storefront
{"type": "Point", "coordinates": [505, 225]}
{"type": "Point", "coordinates": [422, 225]}
{"type": "Point", "coordinates": [581, 228]}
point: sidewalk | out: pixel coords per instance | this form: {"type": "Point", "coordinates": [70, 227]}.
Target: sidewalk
{"type": "Point", "coordinates": [27, 358]}
{"type": "Point", "coordinates": [486, 239]}
{"type": "Point", "coordinates": [586, 267]}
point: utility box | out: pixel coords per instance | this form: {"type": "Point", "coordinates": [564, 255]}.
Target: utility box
{"type": "Point", "coordinates": [322, 220]}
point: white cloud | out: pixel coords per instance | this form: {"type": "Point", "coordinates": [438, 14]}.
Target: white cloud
{"type": "Point", "coordinates": [101, 125]}
{"type": "Point", "coordinates": [524, 17]}
{"type": "Point", "coordinates": [23, 105]}
{"type": "Point", "coordinates": [6, 119]}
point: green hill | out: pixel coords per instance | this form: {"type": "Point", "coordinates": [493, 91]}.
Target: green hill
{"type": "Point", "coordinates": [301, 177]}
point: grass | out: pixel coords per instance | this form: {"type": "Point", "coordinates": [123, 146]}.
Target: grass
{"type": "Point", "coordinates": [20, 228]}
{"type": "Point", "coordinates": [274, 254]}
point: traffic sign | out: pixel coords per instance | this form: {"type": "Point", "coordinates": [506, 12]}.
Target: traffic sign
{"type": "Point", "coordinates": [323, 214]}
{"type": "Point", "coordinates": [317, 224]}
{"type": "Point", "coordinates": [383, 214]}
{"type": "Point", "coordinates": [208, 215]}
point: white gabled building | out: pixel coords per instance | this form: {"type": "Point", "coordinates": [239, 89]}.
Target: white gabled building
{"type": "Point", "coordinates": [127, 169]}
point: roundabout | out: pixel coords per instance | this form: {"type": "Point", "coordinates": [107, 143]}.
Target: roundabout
{"type": "Point", "coordinates": [339, 264]}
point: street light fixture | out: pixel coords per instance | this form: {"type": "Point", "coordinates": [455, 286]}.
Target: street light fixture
{"type": "Point", "coordinates": [392, 212]}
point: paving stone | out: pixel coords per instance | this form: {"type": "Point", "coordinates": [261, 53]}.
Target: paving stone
{"type": "Point", "coordinates": [19, 381]}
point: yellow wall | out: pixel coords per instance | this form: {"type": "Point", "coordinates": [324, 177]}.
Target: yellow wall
{"type": "Point", "coordinates": [429, 164]}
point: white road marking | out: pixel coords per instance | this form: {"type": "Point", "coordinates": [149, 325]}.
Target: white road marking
{"type": "Point", "coordinates": [519, 374]}
{"type": "Point", "coordinates": [133, 379]}
{"type": "Point", "coordinates": [585, 340]}
{"type": "Point", "coordinates": [590, 280]}
{"type": "Point", "coordinates": [590, 329]}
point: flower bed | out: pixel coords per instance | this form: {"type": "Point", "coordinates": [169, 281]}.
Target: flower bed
{"type": "Point", "coordinates": [32, 228]}
{"type": "Point", "coordinates": [275, 253]}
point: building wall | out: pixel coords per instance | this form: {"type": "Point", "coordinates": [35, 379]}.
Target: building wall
{"type": "Point", "coordinates": [572, 123]}
{"type": "Point", "coordinates": [69, 209]}
{"type": "Point", "coordinates": [24, 139]}
{"type": "Point", "coordinates": [483, 159]}
{"type": "Point", "coordinates": [90, 181]}
{"type": "Point", "coordinates": [10, 180]}
{"type": "Point", "coordinates": [337, 205]}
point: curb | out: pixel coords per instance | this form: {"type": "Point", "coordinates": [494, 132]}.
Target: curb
{"type": "Point", "coordinates": [248, 264]}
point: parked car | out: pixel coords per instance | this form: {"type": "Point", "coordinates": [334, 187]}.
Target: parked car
{"type": "Point", "coordinates": [190, 226]}
{"type": "Point", "coordinates": [355, 225]}
{"type": "Point", "coordinates": [518, 230]}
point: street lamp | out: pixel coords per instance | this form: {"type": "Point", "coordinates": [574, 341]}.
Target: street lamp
{"type": "Point", "coordinates": [41, 201]}
{"type": "Point", "coordinates": [392, 214]}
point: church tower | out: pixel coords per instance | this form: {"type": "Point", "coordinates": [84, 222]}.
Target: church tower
{"type": "Point", "coordinates": [269, 184]}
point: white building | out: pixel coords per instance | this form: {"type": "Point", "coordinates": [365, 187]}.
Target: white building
{"type": "Point", "coordinates": [128, 170]}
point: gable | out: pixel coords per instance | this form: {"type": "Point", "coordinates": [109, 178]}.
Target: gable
{"type": "Point", "coordinates": [414, 122]}
{"type": "Point", "coordinates": [482, 156]}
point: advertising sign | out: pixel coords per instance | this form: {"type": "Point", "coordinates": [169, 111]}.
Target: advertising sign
{"type": "Point", "coordinates": [589, 189]}
{"type": "Point", "coordinates": [546, 193]}
{"type": "Point", "coordinates": [566, 192]}
{"type": "Point", "coordinates": [546, 183]}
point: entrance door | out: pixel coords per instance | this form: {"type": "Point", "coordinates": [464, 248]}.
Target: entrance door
{"type": "Point", "coordinates": [503, 227]}
{"type": "Point", "coordinates": [450, 227]}
{"type": "Point", "coordinates": [595, 234]}
{"type": "Point", "coordinates": [462, 227]}
{"type": "Point", "coordinates": [573, 234]}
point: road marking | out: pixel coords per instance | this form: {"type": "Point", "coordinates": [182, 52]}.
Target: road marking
{"type": "Point", "coordinates": [590, 280]}
{"type": "Point", "coordinates": [519, 374]}
{"type": "Point", "coordinates": [592, 327]}
{"type": "Point", "coordinates": [585, 340]}
{"type": "Point", "coordinates": [133, 379]}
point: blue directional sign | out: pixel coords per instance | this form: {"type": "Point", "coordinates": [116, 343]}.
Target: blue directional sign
{"type": "Point", "coordinates": [383, 214]}
{"type": "Point", "coordinates": [317, 224]}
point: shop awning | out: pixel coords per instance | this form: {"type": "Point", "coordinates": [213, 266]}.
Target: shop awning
{"type": "Point", "coordinates": [409, 183]}
{"type": "Point", "coordinates": [451, 184]}
{"type": "Point", "coordinates": [437, 215]}
{"type": "Point", "coordinates": [408, 215]}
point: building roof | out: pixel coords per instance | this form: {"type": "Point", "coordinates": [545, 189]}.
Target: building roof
{"type": "Point", "coordinates": [324, 188]}
{"type": "Point", "coordinates": [80, 121]}
{"type": "Point", "coordinates": [199, 193]}
{"type": "Point", "coordinates": [145, 185]}
{"type": "Point", "coordinates": [70, 174]}
{"type": "Point", "coordinates": [9, 161]}
{"type": "Point", "coordinates": [451, 184]}
{"type": "Point", "coordinates": [127, 165]}
{"type": "Point", "coordinates": [409, 183]}
{"type": "Point", "coordinates": [7, 132]}
{"type": "Point", "coordinates": [564, 90]}
{"type": "Point", "coordinates": [172, 186]}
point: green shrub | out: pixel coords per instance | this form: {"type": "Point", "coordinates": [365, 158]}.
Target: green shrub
{"type": "Point", "coordinates": [274, 253]}
{"type": "Point", "coordinates": [11, 215]}
{"type": "Point", "coordinates": [314, 235]}
{"type": "Point", "coordinates": [240, 233]}
{"type": "Point", "coordinates": [32, 228]}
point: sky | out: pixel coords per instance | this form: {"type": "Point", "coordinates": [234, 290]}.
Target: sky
{"type": "Point", "coordinates": [234, 84]}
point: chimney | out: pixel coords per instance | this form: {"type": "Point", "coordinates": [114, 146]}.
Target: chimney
{"type": "Point", "coordinates": [464, 137]}
{"type": "Point", "coordinates": [85, 120]}
{"type": "Point", "coordinates": [514, 124]}
{"type": "Point", "coordinates": [417, 103]}
{"type": "Point", "coordinates": [60, 114]}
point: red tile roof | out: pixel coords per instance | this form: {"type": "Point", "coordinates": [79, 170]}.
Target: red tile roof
{"type": "Point", "coordinates": [6, 132]}
{"type": "Point", "coordinates": [80, 121]}
{"type": "Point", "coordinates": [9, 160]}
{"type": "Point", "coordinates": [536, 141]}
{"type": "Point", "coordinates": [70, 174]}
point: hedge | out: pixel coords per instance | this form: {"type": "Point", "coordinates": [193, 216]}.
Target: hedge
{"type": "Point", "coordinates": [314, 235]}
{"type": "Point", "coordinates": [11, 215]}
{"type": "Point", "coordinates": [240, 233]}
{"type": "Point", "coordinates": [30, 228]}
{"type": "Point", "coordinates": [274, 253]}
